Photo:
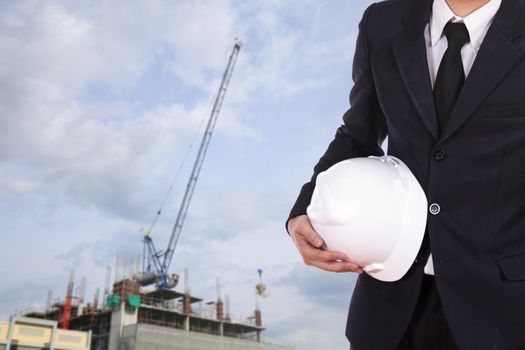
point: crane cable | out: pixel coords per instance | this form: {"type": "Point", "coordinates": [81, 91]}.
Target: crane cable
{"type": "Point", "coordinates": [172, 185]}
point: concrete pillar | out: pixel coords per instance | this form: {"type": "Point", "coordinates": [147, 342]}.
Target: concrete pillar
{"type": "Point", "coordinates": [123, 316]}
{"type": "Point", "coordinates": [258, 322]}
{"type": "Point", "coordinates": [258, 318]}
{"type": "Point", "coordinates": [186, 324]}
{"type": "Point", "coordinates": [219, 310]}
{"type": "Point", "coordinates": [186, 304]}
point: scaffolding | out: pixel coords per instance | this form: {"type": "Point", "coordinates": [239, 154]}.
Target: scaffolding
{"type": "Point", "coordinates": [168, 309]}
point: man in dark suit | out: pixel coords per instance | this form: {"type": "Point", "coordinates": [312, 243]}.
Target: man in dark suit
{"type": "Point", "coordinates": [445, 81]}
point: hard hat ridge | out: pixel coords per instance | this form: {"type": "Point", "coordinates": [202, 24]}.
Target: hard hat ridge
{"type": "Point", "coordinates": [325, 209]}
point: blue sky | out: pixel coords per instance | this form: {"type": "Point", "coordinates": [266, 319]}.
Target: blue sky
{"type": "Point", "coordinates": [99, 102]}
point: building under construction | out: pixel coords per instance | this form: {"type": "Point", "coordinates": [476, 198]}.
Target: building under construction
{"type": "Point", "coordinates": [133, 319]}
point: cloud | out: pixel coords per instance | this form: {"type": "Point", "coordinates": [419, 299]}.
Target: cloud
{"type": "Point", "coordinates": [99, 104]}
{"type": "Point", "coordinates": [321, 287]}
{"type": "Point", "coordinates": [304, 324]}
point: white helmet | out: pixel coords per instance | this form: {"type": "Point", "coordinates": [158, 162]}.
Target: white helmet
{"type": "Point", "coordinates": [372, 209]}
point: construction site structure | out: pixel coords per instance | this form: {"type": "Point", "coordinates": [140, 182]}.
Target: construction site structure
{"type": "Point", "coordinates": [135, 318]}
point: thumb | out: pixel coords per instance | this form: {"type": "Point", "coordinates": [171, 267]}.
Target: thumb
{"type": "Point", "coordinates": [312, 236]}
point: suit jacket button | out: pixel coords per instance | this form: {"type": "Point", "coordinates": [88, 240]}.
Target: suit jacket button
{"type": "Point", "coordinates": [434, 208]}
{"type": "Point", "coordinates": [440, 155]}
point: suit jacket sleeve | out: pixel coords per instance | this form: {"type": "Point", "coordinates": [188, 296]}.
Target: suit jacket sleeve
{"type": "Point", "coordinates": [364, 127]}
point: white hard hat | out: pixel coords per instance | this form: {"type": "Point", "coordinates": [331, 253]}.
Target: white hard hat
{"type": "Point", "coordinates": [373, 210]}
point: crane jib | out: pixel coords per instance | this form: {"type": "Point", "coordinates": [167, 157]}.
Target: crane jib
{"type": "Point", "coordinates": [153, 259]}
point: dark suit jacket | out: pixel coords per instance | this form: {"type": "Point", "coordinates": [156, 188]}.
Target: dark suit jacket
{"type": "Point", "coordinates": [474, 169]}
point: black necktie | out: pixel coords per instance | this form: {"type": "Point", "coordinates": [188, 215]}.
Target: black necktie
{"type": "Point", "coordinates": [450, 76]}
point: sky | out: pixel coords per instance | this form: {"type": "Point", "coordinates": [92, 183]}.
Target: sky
{"type": "Point", "coordinates": [100, 102]}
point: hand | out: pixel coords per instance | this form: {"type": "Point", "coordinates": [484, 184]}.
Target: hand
{"type": "Point", "coordinates": [312, 248]}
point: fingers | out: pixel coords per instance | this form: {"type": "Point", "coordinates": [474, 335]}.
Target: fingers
{"type": "Point", "coordinates": [310, 246]}
{"type": "Point", "coordinates": [326, 260]}
{"type": "Point", "coordinates": [303, 227]}
{"type": "Point", "coordinates": [315, 254]}
{"type": "Point", "coordinates": [339, 266]}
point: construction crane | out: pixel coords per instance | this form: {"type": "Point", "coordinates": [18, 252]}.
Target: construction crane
{"type": "Point", "coordinates": [156, 263]}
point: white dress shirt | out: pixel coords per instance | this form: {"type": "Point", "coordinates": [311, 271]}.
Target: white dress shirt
{"type": "Point", "coordinates": [477, 23]}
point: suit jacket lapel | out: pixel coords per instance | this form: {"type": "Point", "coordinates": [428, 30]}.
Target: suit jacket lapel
{"type": "Point", "coordinates": [410, 53]}
{"type": "Point", "coordinates": [495, 58]}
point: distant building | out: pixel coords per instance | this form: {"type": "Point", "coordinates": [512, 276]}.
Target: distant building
{"type": "Point", "coordinates": [24, 333]}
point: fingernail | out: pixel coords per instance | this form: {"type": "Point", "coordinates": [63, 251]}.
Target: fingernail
{"type": "Point", "coordinates": [318, 242]}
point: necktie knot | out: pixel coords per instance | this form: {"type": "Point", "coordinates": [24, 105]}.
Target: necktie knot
{"type": "Point", "coordinates": [457, 34]}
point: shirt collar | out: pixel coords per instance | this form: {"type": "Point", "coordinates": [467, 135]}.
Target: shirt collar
{"type": "Point", "coordinates": [477, 22]}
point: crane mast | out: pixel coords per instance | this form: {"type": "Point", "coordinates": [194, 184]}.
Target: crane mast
{"type": "Point", "coordinates": [160, 261]}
